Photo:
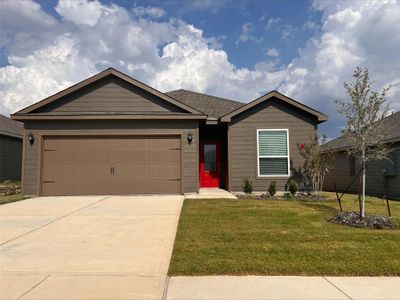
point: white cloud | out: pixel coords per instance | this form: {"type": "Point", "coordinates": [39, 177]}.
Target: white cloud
{"type": "Point", "coordinates": [311, 25]}
{"type": "Point", "coordinates": [272, 52]}
{"type": "Point", "coordinates": [247, 29]}
{"type": "Point", "coordinates": [83, 12]}
{"type": "Point", "coordinates": [46, 54]}
{"type": "Point", "coordinates": [211, 5]}
{"type": "Point", "coordinates": [24, 26]}
{"type": "Point", "coordinates": [288, 32]}
{"type": "Point", "coordinates": [149, 11]}
{"type": "Point", "coordinates": [271, 22]}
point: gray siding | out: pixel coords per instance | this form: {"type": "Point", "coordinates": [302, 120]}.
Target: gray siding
{"type": "Point", "coordinates": [107, 127]}
{"type": "Point", "coordinates": [340, 175]}
{"type": "Point", "coordinates": [110, 94]}
{"type": "Point", "coordinates": [10, 158]}
{"type": "Point", "coordinates": [242, 139]}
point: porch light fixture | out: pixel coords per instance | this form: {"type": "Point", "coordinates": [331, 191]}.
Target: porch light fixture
{"type": "Point", "coordinates": [31, 138]}
{"type": "Point", "coordinates": [190, 137]}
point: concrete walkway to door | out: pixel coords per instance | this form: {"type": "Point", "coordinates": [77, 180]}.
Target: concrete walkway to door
{"type": "Point", "coordinates": [211, 193]}
{"type": "Point", "coordinates": [93, 247]}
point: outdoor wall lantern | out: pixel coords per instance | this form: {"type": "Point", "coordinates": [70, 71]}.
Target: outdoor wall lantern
{"type": "Point", "coordinates": [190, 137]}
{"type": "Point", "coordinates": [31, 138]}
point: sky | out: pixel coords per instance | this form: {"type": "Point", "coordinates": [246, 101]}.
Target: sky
{"type": "Point", "coordinates": [229, 48]}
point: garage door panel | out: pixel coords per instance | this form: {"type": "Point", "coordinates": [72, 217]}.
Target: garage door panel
{"type": "Point", "coordinates": [64, 172]}
{"type": "Point", "coordinates": [62, 158]}
{"type": "Point", "coordinates": [156, 186]}
{"type": "Point", "coordinates": [168, 171]}
{"type": "Point", "coordinates": [111, 165]}
{"type": "Point", "coordinates": [146, 155]}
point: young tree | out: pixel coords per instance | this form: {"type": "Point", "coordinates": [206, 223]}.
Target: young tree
{"type": "Point", "coordinates": [316, 163]}
{"type": "Point", "coordinates": [364, 110]}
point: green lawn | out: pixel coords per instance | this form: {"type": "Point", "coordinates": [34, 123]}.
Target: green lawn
{"type": "Point", "coordinates": [12, 198]}
{"type": "Point", "coordinates": [281, 237]}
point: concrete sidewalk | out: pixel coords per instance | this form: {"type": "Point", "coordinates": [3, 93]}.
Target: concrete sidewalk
{"type": "Point", "coordinates": [282, 287]}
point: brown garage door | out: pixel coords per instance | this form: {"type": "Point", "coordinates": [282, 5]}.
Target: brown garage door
{"type": "Point", "coordinates": [111, 165]}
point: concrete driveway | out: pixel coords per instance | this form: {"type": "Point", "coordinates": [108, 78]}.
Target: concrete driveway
{"type": "Point", "coordinates": [92, 247]}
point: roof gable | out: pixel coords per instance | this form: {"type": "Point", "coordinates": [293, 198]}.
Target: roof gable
{"type": "Point", "coordinates": [275, 95]}
{"type": "Point", "coordinates": [120, 81]}
{"type": "Point", "coordinates": [110, 95]}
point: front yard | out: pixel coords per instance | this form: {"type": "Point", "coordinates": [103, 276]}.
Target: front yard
{"type": "Point", "coordinates": [12, 198]}
{"type": "Point", "coordinates": [10, 191]}
{"type": "Point", "coordinates": [282, 237]}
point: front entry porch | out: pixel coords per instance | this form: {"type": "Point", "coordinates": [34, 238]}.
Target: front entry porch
{"type": "Point", "coordinates": [211, 193]}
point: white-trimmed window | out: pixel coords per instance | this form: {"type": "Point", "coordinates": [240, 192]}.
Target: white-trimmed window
{"type": "Point", "coordinates": [273, 152]}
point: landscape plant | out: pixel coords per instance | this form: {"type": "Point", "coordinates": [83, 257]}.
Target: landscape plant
{"type": "Point", "coordinates": [317, 163]}
{"type": "Point", "coordinates": [272, 188]}
{"type": "Point", "coordinates": [364, 111]}
{"type": "Point", "coordinates": [292, 187]}
{"type": "Point", "coordinates": [247, 186]}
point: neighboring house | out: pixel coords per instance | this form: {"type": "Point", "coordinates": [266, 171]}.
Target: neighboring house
{"type": "Point", "coordinates": [111, 134]}
{"type": "Point", "coordinates": [10, 149]}
{"type": "Point", "coordinates": [382, 175]}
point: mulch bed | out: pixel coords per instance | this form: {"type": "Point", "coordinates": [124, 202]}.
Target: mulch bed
{"type": "Point", "coordinates": [350, 218]}
{"type": "Point", "coordinates": [299, 196]}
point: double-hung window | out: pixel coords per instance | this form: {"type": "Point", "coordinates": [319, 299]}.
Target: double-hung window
{"type": "Point", "coordinates": [273, 152]}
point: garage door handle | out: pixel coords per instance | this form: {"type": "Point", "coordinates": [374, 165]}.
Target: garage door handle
{"type": "Point", "coordinates": [112, 170]}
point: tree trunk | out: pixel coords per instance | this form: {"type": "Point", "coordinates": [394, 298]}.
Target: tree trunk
{"type": "Point", "coordinates": [363, 192]}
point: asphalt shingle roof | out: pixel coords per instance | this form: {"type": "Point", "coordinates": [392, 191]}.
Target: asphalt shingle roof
{"type": "Point", "coordinates": [10, 127]}
{"type": "Point", "coordinates": [392, 123]}
{"type": "Point", "coordinates": [214, 107]}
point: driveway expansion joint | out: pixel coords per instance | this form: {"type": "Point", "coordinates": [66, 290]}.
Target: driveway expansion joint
{"type": "Point", "coordinates": [339, 289]}
{"type": "Point", "coordinates": [165, 292]}
{"type": "Point", "coordinates": [33, 287]}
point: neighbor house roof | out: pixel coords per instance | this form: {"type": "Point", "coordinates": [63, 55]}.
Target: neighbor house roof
{"type": "Point", "coordinates": [275, 95]}
{"type": "Point", "coordinates": [213, 106]}
{"type": "Point", "coordinates": [10, 127]}
{"type": "Point", "coordinates": [28, 112]}
{"type": "Point", "coordinates": [391, 122]}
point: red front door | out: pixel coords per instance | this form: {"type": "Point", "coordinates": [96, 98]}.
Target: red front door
{"type": "Point", "coordinates": [210, 166]}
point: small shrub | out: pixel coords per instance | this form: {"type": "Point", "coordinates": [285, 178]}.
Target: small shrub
{"type": "Point", "coordinates": [247, 186]}
{"type": "Point", "coordinates": [292, 187]}
{"type": "Point", "coordinates": [287, 195]}
{"type": "Point", "coordinates": [272, 188]}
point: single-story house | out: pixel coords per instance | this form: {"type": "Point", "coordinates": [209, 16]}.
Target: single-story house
{"type": "Point", "coordinates": [10, 149]}
{"type": "Point", "coordinates": [382, 176]}
{"type": "Point", "coordinates": [111, 134]}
